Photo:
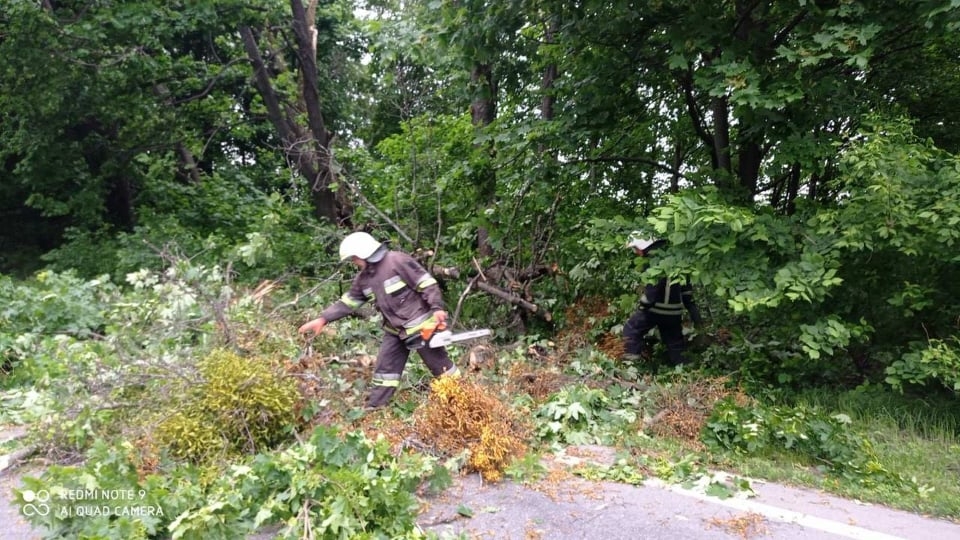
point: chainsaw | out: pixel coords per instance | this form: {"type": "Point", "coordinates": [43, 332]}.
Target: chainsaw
{"type": "Point", "coordinates": [438, 336]}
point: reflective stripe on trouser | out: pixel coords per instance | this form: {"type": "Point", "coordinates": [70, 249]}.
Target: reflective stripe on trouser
{"type": "Point", "coordinates": [454, 371]}
{"type": "Point", "coordinates": [392, 359]}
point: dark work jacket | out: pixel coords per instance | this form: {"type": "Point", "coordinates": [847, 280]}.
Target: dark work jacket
{"type": "Point", "coordinates": [669, 298]}
{"type": "Point", "coordinates": [400, 288]}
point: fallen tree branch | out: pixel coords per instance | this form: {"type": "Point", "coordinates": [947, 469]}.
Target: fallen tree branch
{"type": "Point", "coordinates": [13, 459]}
{"type": "Point", "coordinates": [513, 299]}
{"type": "Point", "coordinates": [445, 271]}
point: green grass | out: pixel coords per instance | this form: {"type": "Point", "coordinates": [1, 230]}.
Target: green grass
{"type": "Point", "coordinates": [918, 438]}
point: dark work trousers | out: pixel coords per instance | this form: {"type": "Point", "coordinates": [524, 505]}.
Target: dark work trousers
{"type": "Point", "coordinates": [391, 360]}
{"type": "Point", "coordinates": [671, 333]}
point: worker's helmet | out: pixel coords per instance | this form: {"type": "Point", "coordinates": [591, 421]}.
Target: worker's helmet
{"type": "Point", "coordinates": [358, 244]}
{"type": "Point", "coordinates": [638, 240]}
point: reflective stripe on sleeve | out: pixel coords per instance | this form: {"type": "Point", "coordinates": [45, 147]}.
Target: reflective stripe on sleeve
{"type": "Point", "coordinates": [352, 302]}
{"type": "Point", "coordinates": [425, 281]}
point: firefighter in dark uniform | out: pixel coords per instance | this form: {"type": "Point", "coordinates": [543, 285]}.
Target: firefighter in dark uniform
{"type": "Point", "coordinates": [661, 307]}
{"type": "Point", "coordinates": [409, 299]}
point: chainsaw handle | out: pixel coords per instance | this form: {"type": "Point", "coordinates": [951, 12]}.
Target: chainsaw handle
{"type": "Point", "coordinates": [427, 331]}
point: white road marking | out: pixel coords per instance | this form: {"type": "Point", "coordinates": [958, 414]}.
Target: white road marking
{"type": "Point", "coordinates": [779, 514]}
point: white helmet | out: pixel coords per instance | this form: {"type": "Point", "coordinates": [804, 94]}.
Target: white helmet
{"type": "Point", "coordinates": [358, 244]}
{"type": "Point", "coordinates": [637, 240]}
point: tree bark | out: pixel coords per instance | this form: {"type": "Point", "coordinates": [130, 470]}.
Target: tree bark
{"type": "Point", "coordinates": [549, 74]}
{"type": "Point", "coordinates": [483, 111]}
{"type": "Point", "coordinates": [721, 134]}
{"type": "Point", "coordinates": [304, 31]}
{"type": "Point", "coordinates": [306, 147]}
{"type": "Point", "coordinates": [748, 166]}
{"type": "Point", "coordinates": [513, 299]}
{"type": "Point", "coordinates": [793, 187]}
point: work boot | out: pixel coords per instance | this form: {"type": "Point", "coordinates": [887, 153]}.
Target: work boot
{"type": "Point", "coordinates": [380, 396]}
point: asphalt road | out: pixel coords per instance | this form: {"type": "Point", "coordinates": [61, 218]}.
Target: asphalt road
{"type": "Point", "coordinates": [612, 511]}
{"type": "Point", "coordinates": [579, 509]}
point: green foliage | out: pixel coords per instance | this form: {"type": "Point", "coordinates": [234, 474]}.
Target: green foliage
{"type": "Point", "coordinates": [266, 235]}
{"type": "Point", "coordinates": [682, 471]}
{"type": "Point", "coordinates": [118, 379]}
{"type": "Point", "coordinates": [339, 486]}
{"type": "Point", "coordinates": [870, 268]}
{"type": "Point", "coordinates": [937, 362]}
{"type": "Point", "coordinates": [241, 404]}
{"type": "Point", "coordinates": [620, 471]}
{"type": "Point", "coordinates": [528, 468]}
{"type": "Point", "coordinates": [753, 260]}
{"type": "Point", "coordinates": [431, 156]}
{"type": "Point", "coordinates": [53, 302]}
{"type": "Point", "coordinates": [765, 364]}
{"type": "Point", "coordinates": [134, 128]}
{"type": "Point", "coordinates": [162, 137]}
{"type": "Point", "coordinates": [336, 486]}
{"type": "Point", "coordinates": [50, 303]}
{"type": "Point", "coordinates": [805, 432]}
{"type": "Point", "coordinates": [106, 497]}
{"type": "Point", "coordinates": [583, 415]}
{"type": "Point", "coordinates": [603, 258]}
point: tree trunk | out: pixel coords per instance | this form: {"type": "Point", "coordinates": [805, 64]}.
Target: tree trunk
{"type": "Point", "coordinates": [483, 111]}
{"type": "Point", "coordinates": [748, 166]}
{"type": "Point", "coordinates": [793, 186]}
{"type": "Point", "coordinates": [188, 164]}
{"type": "Point", "coordinates": [327, 204]}
{"type": "Point", "coordinates": [721, 135]}
{"type": "Point", "coordinates": [549, 75]}
{"type": "Point", "coordinates": [306, 147]}
{"type": "Point", "coordinates": [119, 203]}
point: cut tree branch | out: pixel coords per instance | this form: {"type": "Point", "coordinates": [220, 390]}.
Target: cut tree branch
{"type": "Point", "coordinates": [513, 299]}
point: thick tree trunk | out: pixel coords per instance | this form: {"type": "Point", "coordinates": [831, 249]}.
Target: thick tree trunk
{"type": "Point", "coordinates": [721, 135]}
{"type": "Point", "coordinates": [290, 133]}
{"type": "Point", "coordinates": [549, 74]}
{"type": "Point", "coordinates": [120, 210]}
{"type": "Point", "coordinates": [483, 111]}
{"type": "Point", "coordinates": [307, 148]}
{"type": "Point", "coordinates": [326, 203]}
{"type": "Point", "coordinates": [793, 187]}
{"type": "Point", "coordinates": [748, 166]}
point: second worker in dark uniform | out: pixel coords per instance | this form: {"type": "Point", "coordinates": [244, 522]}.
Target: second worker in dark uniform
{"type": "Point", "coordinates": [661, 307]}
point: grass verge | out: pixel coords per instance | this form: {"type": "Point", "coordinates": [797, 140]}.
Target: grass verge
{"type": "Point", "coordinates": [915, 437]}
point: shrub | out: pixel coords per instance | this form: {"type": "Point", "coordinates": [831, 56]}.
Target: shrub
{"type": "Point", "coordinates": [938, 362]}
{"type": "Point", "coordinates": [243, 404]}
